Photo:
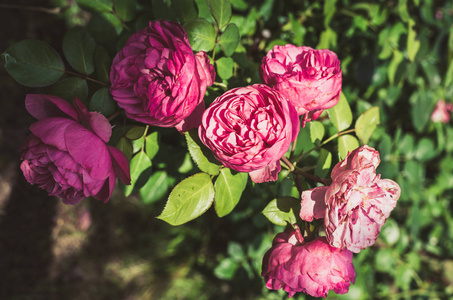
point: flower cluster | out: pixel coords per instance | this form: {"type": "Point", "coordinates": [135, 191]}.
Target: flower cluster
{"type": "Point", "coordinates": [354, 207]}
{"type": "Point", "coordinates": [442, 112]}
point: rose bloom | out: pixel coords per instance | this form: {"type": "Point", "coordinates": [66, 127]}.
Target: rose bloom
{"type": "Point", "coordinates": [442, 112]}
{"type": "Point", "coordinates": [158, 80]}
{"type": "Point", "coordinates": [310, 79]}
{"type": "Point", "coordinates": [67, 155]}
{"type": "Point", "coordinates": [312, 267]}
{"type": "Point", "coordinates": [357, 203]}
{"type": "Point", "coordinates": [249, 129]}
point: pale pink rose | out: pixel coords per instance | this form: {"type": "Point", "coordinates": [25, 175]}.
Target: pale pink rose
{"type": "Point", "coordinates": [356, 204]}
{"type": "Point", "coordinates": [312, 267]}
{"type": "Point", "coordinates": [249, 129]}
{"type": "Point", "coordinates": [158, 80]}
{"type": "Point", "coordinates": [310, 79]}
{"type": "Point", "coordinates": [67, 154]}
{"type": "Point", "coordinates": [442, 112]}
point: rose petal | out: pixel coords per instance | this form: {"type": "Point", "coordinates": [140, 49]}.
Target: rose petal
{"type": "Point", "coordinates": [313, 204]}
{"type": "Point", "coordinates": [44, 106]}
{"type": "Point", "coordinates": [120, 165]}
{"type": "Point", "coordinates": [266, 174]}
{"type": "Point", "coordinates": [51, 131]}
{"type": "Point", "coordinates": [88, 150]}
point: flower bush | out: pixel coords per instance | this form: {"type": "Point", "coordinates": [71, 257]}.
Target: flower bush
{"type": "Point", "coordinates": [254, 91]}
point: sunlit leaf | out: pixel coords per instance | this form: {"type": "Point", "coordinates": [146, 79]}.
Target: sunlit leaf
{"type": "Point", "coordinates": [155, 188]}
{"type": "Point", "coordinates": [228, 190]}
{"type": "Point", "coordinates": [230, 39]}
{"type": "Point", "coordinates": [413, 44]}
{"type": "Point", "coordinates": [316, 131]}
{"type": "Point", "coordinates": [323, 163]}
{"type": "Point", "coordinates": [367, 123]}
{"type": "Point", "coordinates": [346, 143]}
{"type": "Point", "coordinates": [225, 67]}
{"type": "Point", "coordinates": [220, 11]}
{"type": "Point", "coordinates": [282, 210]}
{"type": "Point", "coordinates": [340, 114]}
{"type": "Point", "coordinates": [189, 199]}
{"type": "Point", "coordinates": [200, 154]}
{"type": "Point", "coordinates": [138, 164]}
{"type": "Point", "coordinates": [152, 144]}
{"type": "Point", "coordinates": [125, 146]}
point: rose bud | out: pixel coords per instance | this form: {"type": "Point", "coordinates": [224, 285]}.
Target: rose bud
{"type": "Point", "coordinates": [356, 204]}
{"type": "Point", "coordinates": [249, 129]}
{"type": "Point", "coordinates": [310, 79]}
{"type": "Point", "coordinates": [158, 80]}
{"type": "Point", "coordinates": [442, 112]}
{"type": "Point", "coordinates": [312, 267]}
{"type": "Point", "coordinates": [67, 155]}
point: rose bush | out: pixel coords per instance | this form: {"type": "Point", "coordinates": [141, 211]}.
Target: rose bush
{"type": "Point", "coordinates": [158, 80]}
{"type": "Point", "coordinates": [310, 79]}
{"type": "Point", "coordinates": [356, 204]}
{"type": "Point", "coordinates": [67, 155]}
{"type": "Point", "coordinates": [312, 267]}
{"type": "Point", "coordinates": [249, 129]}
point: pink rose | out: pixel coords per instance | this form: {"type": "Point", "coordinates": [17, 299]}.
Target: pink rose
{"type": "Point", "coordinates": [310, 79]}
{"type": "Point", "coordinates": [158, 80]}
{"type": "Point", "coordinates": [67, 155]}
{"type": "Point", "coordinates": [312, 267]}
{"type": "Point", "coordinates": [442, 112]}
{"type": "Point", "coordinates": [249, 129]}
{"type": "Point", "coordinates": [357, 203]}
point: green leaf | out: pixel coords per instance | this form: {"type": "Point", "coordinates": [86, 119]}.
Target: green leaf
{"type": "Point", "coordinates": [155, 188]}
{"type": "Point", "coordinates": [393, 65]}
{"type": "Point", "coordinates": [162, 10]}
{"type": "Point", "coordinates": [102, 64]}
{"type": "Point", "coordinates": [230, 39]}
{"type": "Point", "coordinates": [201, 35]}
{"type": "Point", "coordinates": [413, 44]}
{"type": "Point", "coordinates": [96, 5]}
{"type": "Point", "coordinates": [200, 154]}
{"type": "Point", "coordinates": [340, 114]}
{"type": "Point", "coordinates": [228, 190]}
{"type": "Point", "coordinates": [186, 10]}
{"type": "Point", "coordinates": [126, 147]}
{"type": "Point", "coordinates": [402, 9]}
{"type": "Point", "coordinates": [135, 132]}
{"type": "Point", "coordinates": [102, 102]}
{"type": "Point", "coordinates": [220, 11]}
{"type": "Point", "coordinates": [138, 164]}
{"type": "Point", "coordinates": [367, 123]}
{"type": "Point", "coordinates": [189, 199]}
{"type": "Point", "coordinates": [226, 269]}
{"type": "Point", "coordinates": [225, 67]}
{"type": "Point", "coordinates": [346, 144]}
{"type": "Point", "coordinates": [282, 210]}
{"type": "Point", "coordinates": [323, 164]}
{"type": "Point", "coordinates": [329, 11]}
{"type": "Point", "coordinates": [316, 132]}
{"type": "Point", "coordinates": [152, 144]}
{"type": "Point", "coordinates": [33, 63]}
{"type": "Point", "coordinates": [78, 48]}
{"type": "Point", "coordinates": [328, 39]}
{"type": "Point", "coordinates": [421, 102]}
{"type": "Point", "coordinates": [71, 87]}
{"type": "Point", "coordinates": [104, 27]}
{"type": "Point", "coordinates": [235, 251]}
{"type": "Point", "coordinates": [125, 9]}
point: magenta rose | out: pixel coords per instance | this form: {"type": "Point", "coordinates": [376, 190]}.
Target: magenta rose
{"type": "Point", "coordinates": [442, 112]}
{"type": "Point", "coordinates": [158, 80]}
{"type": "Point", "coordinates": [357, 203]}
{"type": "Point", "coordinates": [249, 129]}
{"type": "Point", "coordinates": [310, 79]}
{"type": "Point", "coordinates": [67, 155]}
{"type": "Point", "coordinates": [312, 267]}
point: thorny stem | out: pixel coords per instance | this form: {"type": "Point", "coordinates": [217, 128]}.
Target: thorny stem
{"type": "Point", "coordinates": [52, 11]}
{"type": "Point", "coordinates": [324, 181]}
{"type": "Point", "coordinates": [86, 77]}
{"type": "Point", "coordinates": [336, 135]}
{"type": "Point", "coordinates": [114, 115]}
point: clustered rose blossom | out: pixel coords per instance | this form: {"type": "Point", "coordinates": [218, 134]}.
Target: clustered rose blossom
{"type": "Point", "coordinates": [357, 203]}
{"type": "Point", "coordinates": [67, 155]}
{"type": "Point", "coordinates": [310, 79]}
{"type": "Point", "coordinates": [442, 112]}
{"type": "Point", "coordinates": [158, 80]}
{"type": "Point", "coordinates": [249, 129]}
{"type": "Point", "coordinates": [312, 267]}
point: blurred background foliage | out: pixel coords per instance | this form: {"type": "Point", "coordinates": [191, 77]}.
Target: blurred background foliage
{"type": "Point", "coordinates": [397, 55]}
